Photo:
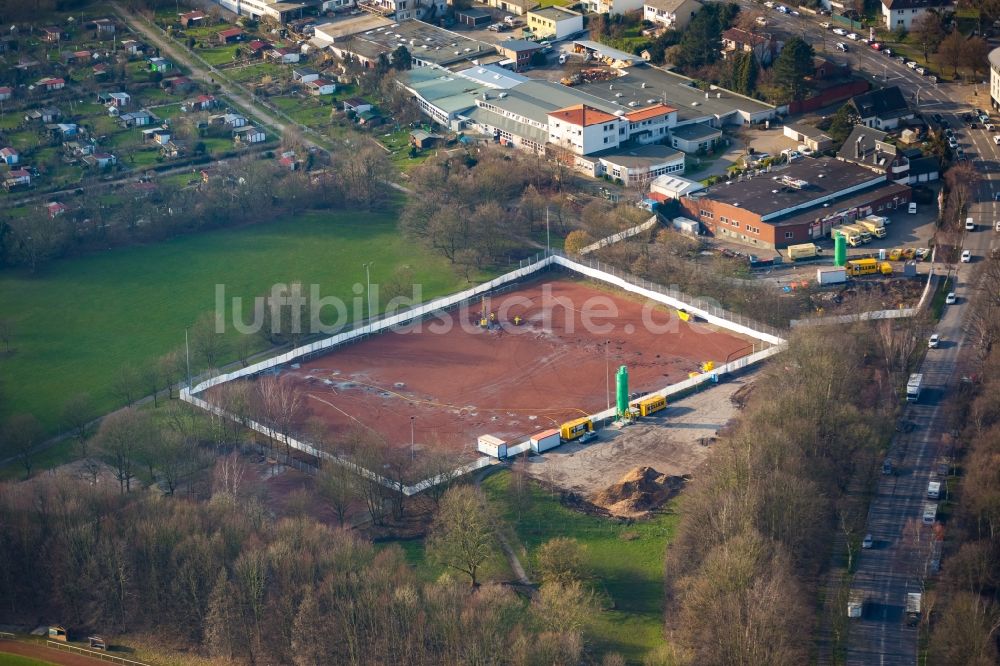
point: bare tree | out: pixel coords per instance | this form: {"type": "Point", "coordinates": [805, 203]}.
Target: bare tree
{"type": "Point", "coordinates": [78, 413]}
{"type": "Point", "coordinates": [463, 533]}
{"type": "Point", "coordinates": [927, 31]}
{"type": "Point", "coordinates": [6, 333]}
{"type": "Point", "coordinates": [282, 403]}
{"type": "Point", "coordinates": [338, 485]}
{"type": "Point", "coordinates": [209, 345]}
{"type": "Point", "coordinates": [126, 385]}
{"type": "Point", "coordinates": [121, 437]}
{"type": "Point", "coordinates": [21, 435]}
{"type": "Point", "coordinates": [951, 51]}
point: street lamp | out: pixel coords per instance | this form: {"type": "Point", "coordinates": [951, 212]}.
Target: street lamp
{"type": "Point", "coordinates": [412, 419]}
{"type": "Point", "coordinates": [368, 291]}
{"type": "Point", "coordinates": [187, 355]}
{"type": "Point", "coordinates": [607, 373]}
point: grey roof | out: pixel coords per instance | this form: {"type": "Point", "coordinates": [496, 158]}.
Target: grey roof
{"type": "Point", "coordinates": [493, 76]}
{"type": "Point", "coordinates": [806, 130]}
{"type": "Point", "coordinates": [472, 12]}
{"type": "Point", "coordinates": [694, 132]}
{"type": "Point", "coordinates": [447, 92]}
{"type": "Point", "coordinates": [922, 165]}
{"type": "Point", "coordinates": [489, 118]}
{"type": "Point", "coordinates": [554, 13]}
{"type": "Point", "coordinates": [606, 50]}
{"type": "Point", "coordinates": [766, 194]}
{"type": "Point", "coordinates": [674, 90]}
{"type": "Point", "coordinates": [518, 45]}
{"type": "Point", "coordinates": [641, 156]}
{"type": "Point", "coordinates": [424, 42]}
{"type": "Point", "coordinates": [865, 144]}
{"type": "Point", "coordinates": [668, 5]}
{"type": "Point", "coordinates": [841, 204]}
{"type": "Point", "coordinates": [883, 103]}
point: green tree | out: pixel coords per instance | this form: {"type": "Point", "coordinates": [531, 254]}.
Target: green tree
{"type": "Point", "coordinates": [792, 66]}
{"type": "Point", "coordinates": [401, 58]}
{"type": "Point", "coordinates": [841, 124]}
{"type": "Point", "coordinates": [745, 71]}
{"type": "Point", "coordinates": [699, 45]}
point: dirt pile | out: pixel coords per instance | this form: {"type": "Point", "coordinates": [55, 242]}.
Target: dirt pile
{"type": "Point", "coordinates": [639, 492]}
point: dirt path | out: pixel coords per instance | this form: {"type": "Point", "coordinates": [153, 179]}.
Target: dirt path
{"type": "Point", "coordinates": [52, 655]}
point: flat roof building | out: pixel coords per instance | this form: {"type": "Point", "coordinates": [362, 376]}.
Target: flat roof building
{"type": "Point", "coordinates": [797, 204]}
{"type": "Point", "coordinates": [428, 45]}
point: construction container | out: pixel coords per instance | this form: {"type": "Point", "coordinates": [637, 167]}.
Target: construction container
{"type": "Point", "coordinates": [576, 428]}
{"type": "Point", "coordinates": [802, 251]}
{"type": "Point", "coordinates": [621, 392]}
{"type": "Point", "coordinates": [651, 405]}
{"type": "Point", "coordinates": [545, 440]}
{"type": "Point", "coordinates": [839, 250]}
{"type": "Point", "coordinates": [831, 275]}
{"type": "Point", "coordinates": [492, 446]}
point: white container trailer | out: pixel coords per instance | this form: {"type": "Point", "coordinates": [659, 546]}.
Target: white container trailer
{"type": "Point", "coordinates": [831, 275]}
{"type": "Point", "coordinates": [545, 440]}
{"type": "Point", "coordinates": [492, 446]}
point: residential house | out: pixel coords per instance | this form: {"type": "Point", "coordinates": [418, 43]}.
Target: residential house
{"type": "Point", "coordinates": [304, 74]}
{"type": "Point", "coordinates": [902, 14]}
{"type": "Point", "coordinates": [229, 36]}
{"type": "Point", "coordinates": [105, 26]}
{"type": "Point", "coordinates": [119, 100]}
{"type": "Point", "coordinates": [881, 109]}
{"type": "Point", "coordinates": [6, 92]}
{"type": "Point", "coordinates": [46, 114]}
{"type": "Point", "coordinates": [671, 14]}
{"type": "Point", "coordinates": [192, 19]}
{"type": "Point", "coordinates": [520, 51]}
{"type": "Point", "coordinates": [924, 169]}
{"type": "Point", "coordinates": [554, 22]}
{"type": "Point", "coordinates": [101, 160]}
{"type": "Point", "coordinates": [868, 147]}
{"type": "Point", "coordinates": [829, 69]}
{"type": "Point", "coordinates": [132, 47]}
{"type": "Point", "coordinates": [160, 65]}
{"type": "Point", "coordinates": [51, 34]}
{"type": "Point", "coordinates": [356, 105]}
{"type": "Point", "coordinates": [611, 6]}
{"type": "Point", "coordinates": [285, 55]}
{"type": "Point", "coordinates": [139, 118]}
{"type": "Point", "coordinates": [17, 178]}
{"type": "Point", "coordinates": [321, 87]}
{"type": "Point", "coordinates": [248, 134]}
{"type": "Point", "coordinates": [515, 7]}
{"type": "Point", "coordinates": [762, 45]}
{"type": "Point", "coordinates": [51, 83]}
{"type": "Point", "coordinates": [694, 137]}
{"type": "Point", "coordinates": [9, 156]}
{"type": "Point", "coordinates": [55, 209]}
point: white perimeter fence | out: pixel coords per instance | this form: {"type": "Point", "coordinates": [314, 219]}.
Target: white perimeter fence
{"type": "Point", "coordinates": [672, 298]}
{"type": "Point", "coordinates": [620, 236]}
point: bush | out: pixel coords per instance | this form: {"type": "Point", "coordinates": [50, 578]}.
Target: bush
{"type": "Point", "coordinates": [577, 240]}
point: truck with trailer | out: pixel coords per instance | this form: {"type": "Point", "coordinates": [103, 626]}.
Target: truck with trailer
{"type": "Point", "coordinates": [913, 386]}
{"type": "Point", "coordinates": [912, 608]}
{"type": "Point", "coordinates": [803, 251]}
{"type": "Point", "coordinates": [875, 228]}
{"type": "Point", "coordinates": [859, 267]}
{"type": "Point", "coordinates": [934, 490]}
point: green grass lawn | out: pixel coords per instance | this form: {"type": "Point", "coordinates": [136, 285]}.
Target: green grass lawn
{"type": "Point", "coordinates": [17, 660]}
{"type": "Point", "coordinates": [254, 72]}
{"type": "Point", "coordinates": [305, 110]}
{"type": "Point", "coordinates": [625, 561]}
{"type": "Point", "coordinates": [79, 320]}
{"type": "Point", "coordinates": [218, 55]}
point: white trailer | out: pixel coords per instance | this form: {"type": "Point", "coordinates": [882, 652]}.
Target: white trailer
{"type": "Point", "coordinates": [545, 440]}
{"type": "Point", "coordinates": [492, 446]}
{"type": "Point", "coordinates": [831, 275]}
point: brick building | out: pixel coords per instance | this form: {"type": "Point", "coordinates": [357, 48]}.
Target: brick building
{"type": "Point", "coordinates": [797, 204]}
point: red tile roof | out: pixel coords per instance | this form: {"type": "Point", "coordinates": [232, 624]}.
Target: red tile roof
{"type": "Point", "coordinates": [649, 112]}
{"type": "Point", "coordinates": [231, 32]}
{"type": "Point", "coordinates": [583, 115]}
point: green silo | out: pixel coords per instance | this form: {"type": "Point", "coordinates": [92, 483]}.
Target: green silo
{"type": "Point", "coordinates": [621, 384]}
{"type": "Point", "coordinates": [839, 250]}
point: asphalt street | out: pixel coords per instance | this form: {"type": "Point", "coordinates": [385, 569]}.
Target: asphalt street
{"type": "Point", "coordinates": [898, 562]}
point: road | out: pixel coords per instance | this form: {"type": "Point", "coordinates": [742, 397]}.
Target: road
{"type": "Point", "coordinates": [896, 564]}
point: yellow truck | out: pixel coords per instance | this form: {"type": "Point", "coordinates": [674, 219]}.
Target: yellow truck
{"type": "Point", "coordinates": [863, 234]}
{"type": "Point", "coordinates": [876, 229]}
{"type": "Point", "coordinates": [852, 237]}
{"type": "Point", "coordinates": [803, 251]}
{"type": "Point", "coordinates": [858, 267]}
{"type": "Point", "coordinates": [576, 428]}
{"type": "Point", "coordinates": [896, 254]}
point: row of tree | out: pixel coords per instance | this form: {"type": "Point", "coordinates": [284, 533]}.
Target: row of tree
{"type": "Point", "coordinates": [966, 601]}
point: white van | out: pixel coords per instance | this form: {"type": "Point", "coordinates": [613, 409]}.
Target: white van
{"type": "Point", "coordinates": [912, 208]}
{"type": "Point", "coordinates": [970, 224]}
{"type": "Point", "coordinates": [934, 490]}
{"type": "Point", "coordinates": [930, 514]}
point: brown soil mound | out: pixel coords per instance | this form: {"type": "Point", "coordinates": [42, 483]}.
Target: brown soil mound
{"type": "Point", "coordinates": [638, 493]}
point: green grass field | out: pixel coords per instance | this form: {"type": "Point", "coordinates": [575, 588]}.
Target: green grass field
{"type": "Point", "coordinates": [17, 660]}
{"type": "Point", "coordinates": [625, 562]}
{"type": "Point", "coordinates": [79, 320]}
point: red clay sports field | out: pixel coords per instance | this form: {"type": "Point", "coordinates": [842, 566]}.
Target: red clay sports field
{"type": "Point", "coordinates": [510, 380]}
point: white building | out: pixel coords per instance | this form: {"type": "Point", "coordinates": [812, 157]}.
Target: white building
{"type": "Point", "coordinates": [582, 129]}
{"type": "Point", "coordinates": [277, 10]}
{"type": "Point", "coordinates": [673, 14]}
{"type": "Point", "coordinates": [612, 6]}
{"type": "Point", "coordinates": [555, 22]}
{"type": "Point", "coordinates": [995, 78]}
{"type": "Point", "coordinates": [902, 13]}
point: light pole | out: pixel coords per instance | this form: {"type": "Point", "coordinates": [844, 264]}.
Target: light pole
{"type": "Point", "coordinates": [187, 355]}
{"type": "Point", "coordinates": [607, 373]}
{"type": "Point", "coordinates": [368, 290]}
{"type": "Point", "coordinates": [412, 419]}
{"type": "Point", "coordinates": [548, 246]}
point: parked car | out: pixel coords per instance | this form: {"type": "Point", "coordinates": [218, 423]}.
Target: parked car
{"type": "Point", "coordinates": [912, 208]}
{"type": "Point", "coordinates": [951, 298]}
{"type": "Point", "coordinates": [839, 31]}
{"type": "Point", "coordinates": [887, 467]}
{"type": "Point", "coordinates": [866, 543]}
{"type": "Point", "coordinates": [825, 25]}
{"type": "Point", "coordinates": [842, 47]}
{"type": "Point", "coordinates": [967, 256]}
{"type": "Point", "coordinates": [761, 21]}
{"type": "Point", "coordinates": [933, 341]}
{"type": "Point", "coordinates": [912, 64]}
{"type": "Point", "coordinates": [876, 46]}
{"type": "Point", "coordinates": [887, 52]}
{"type": "Point", "coordinates": [922, 71]}
{"type": "Point", "coordinates": [853, 36]}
